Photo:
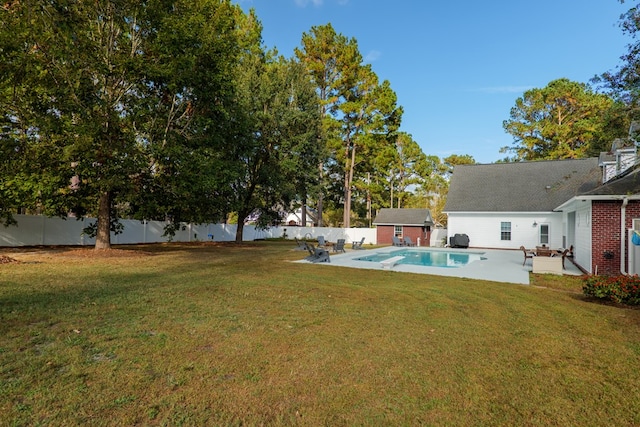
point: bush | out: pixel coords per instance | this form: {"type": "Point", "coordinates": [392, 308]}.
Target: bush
{"type": "Point", "coordinates": [621, 289]}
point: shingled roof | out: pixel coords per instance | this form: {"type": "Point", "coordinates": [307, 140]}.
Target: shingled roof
{"type": "Point", "coordinates": [417, 217]}
{"type": "Point", "coordinates": [626, 185]}
{"type": "Point", "coordinates": [520, 187]}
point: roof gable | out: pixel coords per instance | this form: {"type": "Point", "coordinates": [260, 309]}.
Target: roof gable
{"type": "Point", "coordinates": [538, 186]}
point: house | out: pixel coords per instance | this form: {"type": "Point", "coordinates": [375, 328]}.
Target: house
{"type": "Point", "coordinates": [590, 204]}
{"type": "Point", "coordinates": [602, 222]}
{"type": "Point", "coordinates": [413, 223]}
{"type": "Point", "coordinates": [294, 218]}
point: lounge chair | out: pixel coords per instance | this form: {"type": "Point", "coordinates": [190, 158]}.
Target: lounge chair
{"type": "Point", "coordinates": [321, 255]}
{"type": "Point", "coordinates": [527, 255]}
{"type": "Point", "coordinates": [357, 245]}
{"type": "Point", "coordinates": [300, 245]}
{"type": "Point", "coordinates": [408, 241]}
{"type": "Point", "coordinates": [316, 254]}
{"type": "Point", "coordinates": [311, 249]}
{"type": "Point", "coordinates": [339, 246]}
{"type": "Point", "coordinates": [396, 241]}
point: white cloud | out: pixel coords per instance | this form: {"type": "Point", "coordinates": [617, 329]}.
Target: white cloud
{"type": "Point", "coordinates": [372, 56]}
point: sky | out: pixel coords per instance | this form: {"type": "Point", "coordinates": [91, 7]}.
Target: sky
{"type": "Point", "coordinates": [458, 66]}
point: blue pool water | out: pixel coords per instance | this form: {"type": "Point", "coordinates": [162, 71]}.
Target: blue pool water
{"type": "Point", "coordinates": [447, 259]}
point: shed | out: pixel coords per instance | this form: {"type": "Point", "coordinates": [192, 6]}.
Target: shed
{"type": "Point", "coordinates": [413, 223]}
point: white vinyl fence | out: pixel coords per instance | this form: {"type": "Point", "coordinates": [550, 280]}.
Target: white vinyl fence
{"type": "Point", "coordinates": [35, 230]}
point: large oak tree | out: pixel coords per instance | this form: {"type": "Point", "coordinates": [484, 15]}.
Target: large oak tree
{"type": "Point", "coordinates": [104, 101]}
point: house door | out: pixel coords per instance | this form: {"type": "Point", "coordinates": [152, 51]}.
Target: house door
{"type": "Point", "coordinates": [426, 236]}
{"type": "Point", "coordinates": [544, 234]}
{"type": "Point", "coordinates": [571, 230]}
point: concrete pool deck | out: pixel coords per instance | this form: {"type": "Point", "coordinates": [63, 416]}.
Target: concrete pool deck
{"type": "Point", "coordinates": [496, 265]}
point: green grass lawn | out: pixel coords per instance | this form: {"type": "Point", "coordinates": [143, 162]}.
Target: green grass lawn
{"type": "Point", "coordinates": [226, 335]}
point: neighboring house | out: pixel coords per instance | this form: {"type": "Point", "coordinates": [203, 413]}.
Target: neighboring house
{"type": "Point", "coordinates": [295, 218]}
{"type": "Point", "coordinates": [559, 203]}
{"type": "Point", "coordinates": [413, 223]}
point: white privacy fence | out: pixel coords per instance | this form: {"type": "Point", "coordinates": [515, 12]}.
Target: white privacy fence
{"type": "Point", "coordinates": [35, 230]}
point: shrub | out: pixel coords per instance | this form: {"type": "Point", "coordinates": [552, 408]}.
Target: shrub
{"type": "Point", "coordinates": [621, 289]}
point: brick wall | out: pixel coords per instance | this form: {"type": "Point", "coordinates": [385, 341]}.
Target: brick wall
{"type": "Point", "coordinates": [605, 232]}
{"type": "Point", "coordinates": [385, 234]}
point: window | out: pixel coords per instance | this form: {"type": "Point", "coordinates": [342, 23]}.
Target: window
{"type": "Point", "coordinates": [397, 231]}
{"type": "Point", "coordinates": [544, 234]}
{"type": "Point", "coordinates": [505, 231]}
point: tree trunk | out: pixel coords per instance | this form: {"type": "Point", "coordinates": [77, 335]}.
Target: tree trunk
{"type": "Point", "coordinates": [303, 215]}
{"type": "Point", "coordinates": [319, 206]}
{"type": "Point", "coordinates": [239, 231]}
{"type": "Point", "coordinates": [103, 234]}
{"type": "Point", "coordinates": [348, 180]}
{"type": "Point", "coordinates": [347, 201]}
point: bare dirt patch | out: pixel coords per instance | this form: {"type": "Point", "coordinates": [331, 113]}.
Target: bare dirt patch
{"type": "Point", "coordinates": [104, 253]}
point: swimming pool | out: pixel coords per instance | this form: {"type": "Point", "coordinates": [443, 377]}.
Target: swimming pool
{"type": "Point", "coordinates": [426, 258]}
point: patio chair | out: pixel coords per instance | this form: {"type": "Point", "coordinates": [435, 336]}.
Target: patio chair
{"type": "Point", "coordinates": [311, 249]}
{"type": "Point", "coordinates": [357, 245]}
{"type": "Point", "coordinates": [396, 241]}
{"type": "Point", "coordinates": [321, 241]}
{"type": "Point", "coordinates": [339, 246]}
{"type": "Point", "coordinates": [408, 241]}
{"type": "Point", "coordinates": [527, 255]}
{"type": "Point", "coordinates": [321, 255]}
{"type": "Point", "coordinates": [566, 253]}
{"type": "Point", "coordinates": [300, 245]}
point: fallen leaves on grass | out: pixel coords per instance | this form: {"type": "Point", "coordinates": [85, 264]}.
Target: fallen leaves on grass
{"type": "Point", "coordinates": [7, 260]}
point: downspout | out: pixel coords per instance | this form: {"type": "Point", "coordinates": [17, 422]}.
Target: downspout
{"type": "Point", "coordinates": [623, 234]}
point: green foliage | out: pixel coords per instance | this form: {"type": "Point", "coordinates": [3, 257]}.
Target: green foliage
{"type": "Point", "coordinates": [563, 120]}
{"type": "Point", "coordinates": [115, 226]}
{"type": "Point", "coordinates": [273, 159]}
{"type": "Point", "coordinates": [130, 100]}
{"type": "Point", "coordinates": [620, 289]}
{"type": "Point", "coordinates": [622, 83]}
{"type": "Point", "coordinates": [174, 111]}
{"type": "Point", "coordinates": [360, 114]}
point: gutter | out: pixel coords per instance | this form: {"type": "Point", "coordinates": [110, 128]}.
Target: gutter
{"type": "Point", "coordinates": [586, 198]}
{"type": "Point", "coordinates": [623, 235]}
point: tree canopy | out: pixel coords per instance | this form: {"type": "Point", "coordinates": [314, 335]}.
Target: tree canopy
{"type": "Point", "coordinates": [563, 120]}
{"type": "Point", "coordinates": [122, 98]}
{"type": "Point", "coordinates": [174, 110]}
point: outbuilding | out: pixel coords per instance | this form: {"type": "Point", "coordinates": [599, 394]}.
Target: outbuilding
{"type": "Point", "coordinates": [413, 223]}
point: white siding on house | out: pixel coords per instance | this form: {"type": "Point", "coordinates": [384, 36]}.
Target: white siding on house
{"type": "Point", "coordinates": [483, 228]}
{"type": "Point", "coordinates": [582, 248]}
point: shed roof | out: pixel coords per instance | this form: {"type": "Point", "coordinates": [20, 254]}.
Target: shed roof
{"type": "Point", "coordinates": [538, 186]}
{"type": "Point", "coordinates": [417, 217]}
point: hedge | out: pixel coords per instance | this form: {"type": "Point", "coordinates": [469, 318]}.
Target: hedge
{"type": "Point", "coordinates": [621, 289]}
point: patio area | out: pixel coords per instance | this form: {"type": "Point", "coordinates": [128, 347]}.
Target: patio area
{"type": "Point", "coordinates": [495, 265]}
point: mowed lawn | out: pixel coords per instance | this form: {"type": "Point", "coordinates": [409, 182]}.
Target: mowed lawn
{"type": "Point", "coordinates": [239, 335]}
